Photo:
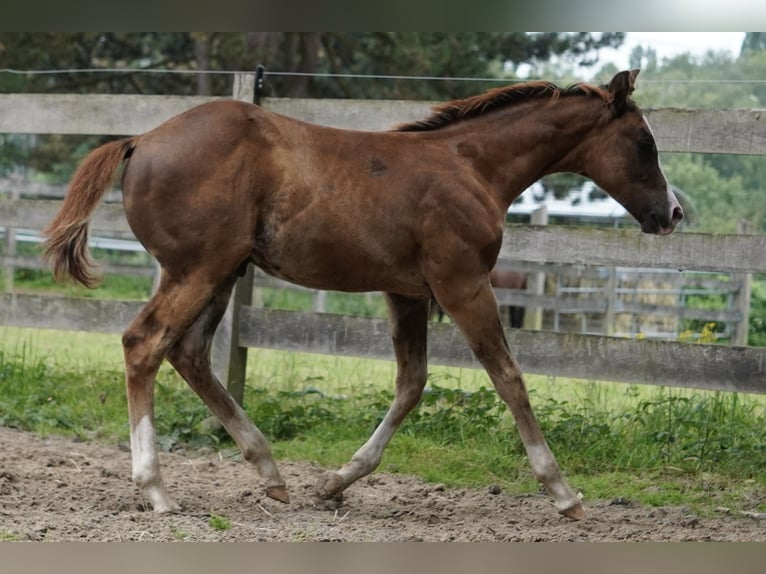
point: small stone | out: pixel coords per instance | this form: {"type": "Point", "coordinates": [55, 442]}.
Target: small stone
{"type": "Point", "coordinates": [495, 489]}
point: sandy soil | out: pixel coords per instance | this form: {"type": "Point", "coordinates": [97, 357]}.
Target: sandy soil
{"type": "Point", "coordinates": [58, 489]}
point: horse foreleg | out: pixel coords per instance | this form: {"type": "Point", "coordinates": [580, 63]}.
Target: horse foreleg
{"type": "Point", "coordinates": [409, 323]}
{"type": "Point", "coordinates": [477, 317]}
{"type": "Point", "coordinates": [191, 358]}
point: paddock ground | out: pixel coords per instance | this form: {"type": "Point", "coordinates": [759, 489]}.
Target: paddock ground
{"type": "Point", "coordinates": [55, 489]}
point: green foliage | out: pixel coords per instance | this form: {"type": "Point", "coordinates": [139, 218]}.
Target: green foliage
{"type": "Point", "coordinates": [360, 305]}
{"type": "Point", "coordinates": [12, 152]}
{"type": "Point", "coordinates": [707, 333]}
{"type": "Point", "coordinates": [217, 522]}
{"type": "Point", "coordinates": [35, 396]}
{"type": "Point", "coordinates": [452, 414]}
{"type": "Point", "coordinates": [6, 536]}
{"type": "Point", "coordinates": [112, 287]}
{"type": "Point", "coordinates": [721, 202]}
{"type": "Point", "coordinates": [693, 432]}
{"type": "Point", "coordinates": [286, 414]}
{"type": "Point", "coordinates": [757, 317]}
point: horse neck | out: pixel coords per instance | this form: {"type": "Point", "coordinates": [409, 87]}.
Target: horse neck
{"type": "Point", "coordinates": [513, 147]}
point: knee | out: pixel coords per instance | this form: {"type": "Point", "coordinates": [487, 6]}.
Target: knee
{"type": "Point", "coordinates": [130, 340]}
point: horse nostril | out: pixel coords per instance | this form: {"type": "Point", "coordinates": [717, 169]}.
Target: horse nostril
{"type": "Point", "coordinates": [678, 214]}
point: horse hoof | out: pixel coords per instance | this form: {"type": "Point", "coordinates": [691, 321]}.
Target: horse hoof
{"type": "Point", "coordinates": [168, 506]}
{"type": "Point", "coordinates": [329, 485]}
{"type": "Point", "coordinates": [278, 493]}
{"type": "Point", "coordinates": [576, 512]}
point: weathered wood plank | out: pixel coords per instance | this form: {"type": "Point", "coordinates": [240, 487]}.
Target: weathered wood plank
{"type": "Point", "coordinates": [67, 313]}
{"type": "Point", "coordinates": [735, 131]}
{"type": "Point", "coordinates": [370, 115]}
{"type": "Point", "coordinates": [102, 114]}
{"type": "Point", "coordinates": [590, 357]}
{"type": "Point", "coordinates": [597, 303]}
{"type": "Point", "coordinates": [631, 248]}
{"type": "Point", "coordinates": [37, 214]}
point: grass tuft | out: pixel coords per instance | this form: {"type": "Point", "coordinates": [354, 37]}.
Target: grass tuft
{"type": "Point", "coordinates": [217, 522]}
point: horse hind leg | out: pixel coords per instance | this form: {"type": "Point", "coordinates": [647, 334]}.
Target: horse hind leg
{"type": "Point", "coordinates": [145, 343]}
{"type": "Point", "coordinates": [477, 318]}
{"type": "Point", "coordinates": [190, 356]}
{"type": "Point", "coordinates": [147, 340]}
{"type": "Point", "coordinates": [409, 328]}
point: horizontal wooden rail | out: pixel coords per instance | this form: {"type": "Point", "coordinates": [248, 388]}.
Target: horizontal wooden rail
{"type": "Point", "coordinates": [597, 303]}
{"type": "Point", "coordinates": [589, 357]}
{"type": "Point", "coordinates": [631, 248]}
{"type": "Point", "coordinates": [525, 243]}
{"type": "Point", "coordinates": [37, 214]}
{"type": "Point", "coordinates": [67, 313]}
{"type": "Point", "coordinates": [730, 131]}
{"type": "Point", "coordinates": [102, 114]}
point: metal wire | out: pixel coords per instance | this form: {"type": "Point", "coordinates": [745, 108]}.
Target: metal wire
{"type": "Point", "coordinates": [342, 75]}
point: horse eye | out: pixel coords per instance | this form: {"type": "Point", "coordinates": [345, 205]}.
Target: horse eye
{"type": "Point", "coordinates": [645, 145]}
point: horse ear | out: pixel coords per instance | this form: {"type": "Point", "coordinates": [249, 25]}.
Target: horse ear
{"type": "Point", "coordinates": [621, 86]}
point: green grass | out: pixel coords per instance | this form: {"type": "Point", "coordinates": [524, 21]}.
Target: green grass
{"type": "Point", "coordinates": [219, 522]}
{"type": "Point", "coordinates": [650, 444]}
{"type": "Point", "coordinates": [8, 536]}
{"type": "Point", "coordinates": [113, 286]}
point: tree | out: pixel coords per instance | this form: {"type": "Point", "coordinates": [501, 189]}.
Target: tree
{"type": "Point", "coordinates": [753, 42]}
{"type": "Point", "coordinates": [721, 202]}
{"type": "Point", "coordinates": [297, 55]}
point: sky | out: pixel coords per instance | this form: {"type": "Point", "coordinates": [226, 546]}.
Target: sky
{"type": "Point", "coordinates": [668, 44]}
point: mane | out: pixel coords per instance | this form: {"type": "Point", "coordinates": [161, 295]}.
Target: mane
{"type": "Point", "coordinates": [451, 112]}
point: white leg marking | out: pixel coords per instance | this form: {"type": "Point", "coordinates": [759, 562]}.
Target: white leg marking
{"type": "Point", "coordinates": [546, 471]}
{"type": "Point", "coordinates": [144, 452]}
{"type": "Point", "coordinates": [146, 467]}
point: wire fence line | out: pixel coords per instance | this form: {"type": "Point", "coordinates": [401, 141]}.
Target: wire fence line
{"type": "Point", "coordinates": [397, 77]}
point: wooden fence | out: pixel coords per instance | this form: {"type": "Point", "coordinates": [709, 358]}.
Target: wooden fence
{"type": "Point", "coordinates": [731, 368]}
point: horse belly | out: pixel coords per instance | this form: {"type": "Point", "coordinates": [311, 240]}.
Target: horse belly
{"type": "Point", "coordinates": [337, 263]}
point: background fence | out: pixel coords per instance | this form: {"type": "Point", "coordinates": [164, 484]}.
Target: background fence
{"type": "Point", "coordinates": [596, 357]}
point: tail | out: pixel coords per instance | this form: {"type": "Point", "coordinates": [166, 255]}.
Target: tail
{"type": "Point", "coordinates": [66, 246]}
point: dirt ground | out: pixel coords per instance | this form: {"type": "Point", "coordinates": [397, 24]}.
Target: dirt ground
{"type": "Point", "coordinates": [58, 489]}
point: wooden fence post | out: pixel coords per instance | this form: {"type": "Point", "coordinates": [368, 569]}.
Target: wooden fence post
{"type": "Point", "coordinates": [741, 301]}
{"type": "Point", "coordinates": [533, 318]}
{"type": "Point", "coordinates": [9, 268]}
{"type": "Point", "coordinates": [228, 357]}
{"type": "Point", "coordinates": [608, 327]}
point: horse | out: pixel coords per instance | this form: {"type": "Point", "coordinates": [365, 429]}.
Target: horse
{"type": "Point", "coordinates": [510, 279]}
{"type": "Point", "coordinates": [504, 279]}
{"type": "Point", "coordinates": [415, 212]}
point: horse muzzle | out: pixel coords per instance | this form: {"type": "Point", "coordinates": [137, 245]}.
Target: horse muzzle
{"type": "Point", "coordinates": [662, 223]}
